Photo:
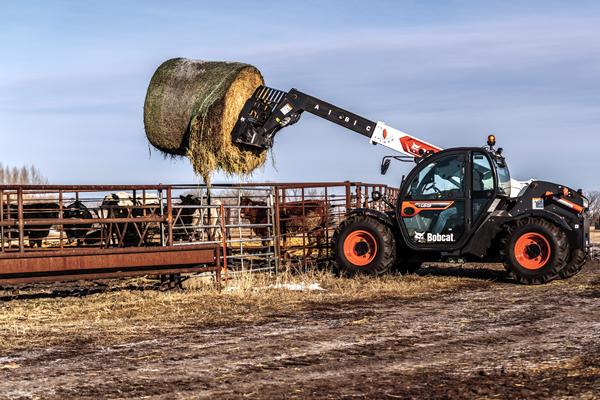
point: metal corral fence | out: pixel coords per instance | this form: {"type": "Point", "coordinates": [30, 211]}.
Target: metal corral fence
{"type": "Point", "coordinates": [255, 226]}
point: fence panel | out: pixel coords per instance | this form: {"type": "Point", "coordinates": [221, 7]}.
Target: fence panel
{"type": "Point", "coordinates": [259, 226]}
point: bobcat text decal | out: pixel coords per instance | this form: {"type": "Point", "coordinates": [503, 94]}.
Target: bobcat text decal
{"type": "Point", "coordinates": [428, 237]}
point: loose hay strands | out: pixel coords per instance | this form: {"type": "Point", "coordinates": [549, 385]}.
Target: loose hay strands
{"type": "Point", "coordinates": [191, 108]}
{"type": "Point", "coordinates": [119, 316]}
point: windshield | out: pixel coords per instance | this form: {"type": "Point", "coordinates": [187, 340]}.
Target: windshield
{"type": "Point", "coordinates": [503, 177]}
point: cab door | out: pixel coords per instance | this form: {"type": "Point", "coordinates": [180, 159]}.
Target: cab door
{"type": "Point", "coordinates": [483, 186]}
{"type": "Point", "coordinates": [433, 204]}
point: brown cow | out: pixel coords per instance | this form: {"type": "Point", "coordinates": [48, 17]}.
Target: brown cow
{"type": "Point", "coordinates": [310, 217]}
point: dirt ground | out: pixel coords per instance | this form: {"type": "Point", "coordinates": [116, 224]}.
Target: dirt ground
{"type": "Point", "coordinates": [452, 332]}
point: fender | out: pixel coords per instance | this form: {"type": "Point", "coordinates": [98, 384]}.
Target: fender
{"type": "Point", "coordinates": [378, 215]}
{"type": "Point", "coordinates": [572, 234]}
{"type": "Point", "coordinates": [492, 225]}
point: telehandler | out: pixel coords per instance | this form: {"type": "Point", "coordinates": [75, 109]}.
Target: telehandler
{"type": "Point", "coordinates": [458, 203]}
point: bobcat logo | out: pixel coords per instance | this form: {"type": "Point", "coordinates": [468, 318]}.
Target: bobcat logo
{"type": "Point", "coordinates": [428, 237]}
{"type": "Point", "coordinates": [419, 237]}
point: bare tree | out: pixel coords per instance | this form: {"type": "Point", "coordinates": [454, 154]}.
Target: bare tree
{"type": "Point", "coordinates": [24, 175]}
{"type": "Point", "coordinates": [594, 198]}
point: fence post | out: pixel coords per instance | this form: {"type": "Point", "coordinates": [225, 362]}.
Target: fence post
{"type": "Point", "coordinates": [61, 216]}
{"type": "Point", "coordinates": [276, 229]}
{"type": "Point", "coordinates": [348, 196]}
{"type": "Point", "coordinates": [161, 213]}
{"type": "Point", "coordinates": [326, 227]}
{"type": "Point", "coordinates": [304, 229]}
{"type": "Point", "coordinates": [20, 219]}
{"type": "Point", "coordinates": [2, 220]}
{"type": "Point", "coordinates": [223, 240]}
{"type": "Point", "coordinates": [170, 216]}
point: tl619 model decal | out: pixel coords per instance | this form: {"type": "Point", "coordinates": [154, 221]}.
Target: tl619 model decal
{"type": "Point", "coordinates": [412, 208]}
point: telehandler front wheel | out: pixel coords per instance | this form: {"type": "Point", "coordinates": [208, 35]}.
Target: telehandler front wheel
{"type": "Point", "coordinates": [363, 245]}
{"type": "Point", "coordinates": [535, 251]}
{"type": "Point", "coordinates": [577, 261]}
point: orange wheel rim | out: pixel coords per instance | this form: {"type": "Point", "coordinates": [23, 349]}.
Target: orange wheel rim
{"type": "Point", "coordinates": [360, 248]}
{"type": "Point", "coordinates": [532, 250]}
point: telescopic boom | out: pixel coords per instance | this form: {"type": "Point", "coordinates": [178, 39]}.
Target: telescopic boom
{"type": "Point", "coordinates": [269, 110]}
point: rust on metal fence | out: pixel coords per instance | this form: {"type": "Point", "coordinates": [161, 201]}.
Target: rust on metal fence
{"type": "Point", "coordinates": [117, 227]}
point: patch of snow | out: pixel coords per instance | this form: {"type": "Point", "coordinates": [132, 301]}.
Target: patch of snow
{"type": "Point", "coordinates": [298, 287]}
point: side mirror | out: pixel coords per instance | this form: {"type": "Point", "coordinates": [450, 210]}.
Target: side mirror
{"type": "Point", "coordinates": [376, 195]}
{"type": "Point", "coordinates": [385, 164]}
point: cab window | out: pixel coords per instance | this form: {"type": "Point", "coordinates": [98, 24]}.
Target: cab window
{"type": "Point", "coordinates": [483, 183]}
{"type": "Point", "coordinates": [443, 178]}
{"type": "Point", "coordinates": [503, 177]}
{"type": "Point", "coordinates": [483, 176]}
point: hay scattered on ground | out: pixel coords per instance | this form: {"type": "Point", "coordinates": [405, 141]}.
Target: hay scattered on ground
{"type": "Point", "coordinates": [115, 316]}
{"type": "Point", "coordinates": [191, 108]}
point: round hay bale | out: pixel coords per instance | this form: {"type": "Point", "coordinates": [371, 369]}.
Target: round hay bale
{"type": "Point", "coordinates": [191, 108]}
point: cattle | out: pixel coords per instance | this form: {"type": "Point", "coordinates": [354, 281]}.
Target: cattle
{"type": "Point", "coordinates": [309, 217]}
{"type": "Point", "coordinates": [125, 205]}
{"type": "Point", "coordinates": [77, 210]}
{"type": "Point", "coordinates": [31, 212]}
{"type": "Point", "coordinates": [197, 218]}
{"type": "Point", "coordinates": [186, 217]}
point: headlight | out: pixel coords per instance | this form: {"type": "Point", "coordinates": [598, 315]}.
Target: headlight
{"type": "Point", "coordinates": [586, 203]}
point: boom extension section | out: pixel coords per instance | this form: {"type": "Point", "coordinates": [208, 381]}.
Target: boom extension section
{"type": "Point", "coordinates": [269, 110]}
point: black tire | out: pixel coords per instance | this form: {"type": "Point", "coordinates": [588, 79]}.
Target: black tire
{"type": "Point", "coordinates": [380, 255]}
{"type": "Point", "coordinates": [557, 254]}
{"type": "Point", "coordinates": [576, 262]}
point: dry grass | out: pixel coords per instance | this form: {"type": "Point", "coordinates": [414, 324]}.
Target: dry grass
{"type": "Point", "coordinates": [119, 315]}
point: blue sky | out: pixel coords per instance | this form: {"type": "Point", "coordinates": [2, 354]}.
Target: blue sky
{"type": "Point", "coordinates": [74, 75]}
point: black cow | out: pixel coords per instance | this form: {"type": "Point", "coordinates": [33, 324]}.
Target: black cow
{"type": "Point", "coordinates": [77, 210]}
{"type": "Point", "coordinates": [31, 212]}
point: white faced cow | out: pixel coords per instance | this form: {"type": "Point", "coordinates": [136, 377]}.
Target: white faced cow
{"type": "Point", "coordinates": [197, 218]}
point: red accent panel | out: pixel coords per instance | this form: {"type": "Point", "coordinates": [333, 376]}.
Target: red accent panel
{"type": "Point", "coordinates": [425, 205]}
{"type": "Point", "coordinates": [415, 146]}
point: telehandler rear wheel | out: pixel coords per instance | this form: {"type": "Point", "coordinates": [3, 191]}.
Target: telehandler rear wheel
{"type": "Point", "coordinates": [363, 245]}
{"type": "Point", "coordinates": [534, 251]}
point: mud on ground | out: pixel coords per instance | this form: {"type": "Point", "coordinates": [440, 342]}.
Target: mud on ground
{"type": "Point", "coordinates": [454, 333]}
